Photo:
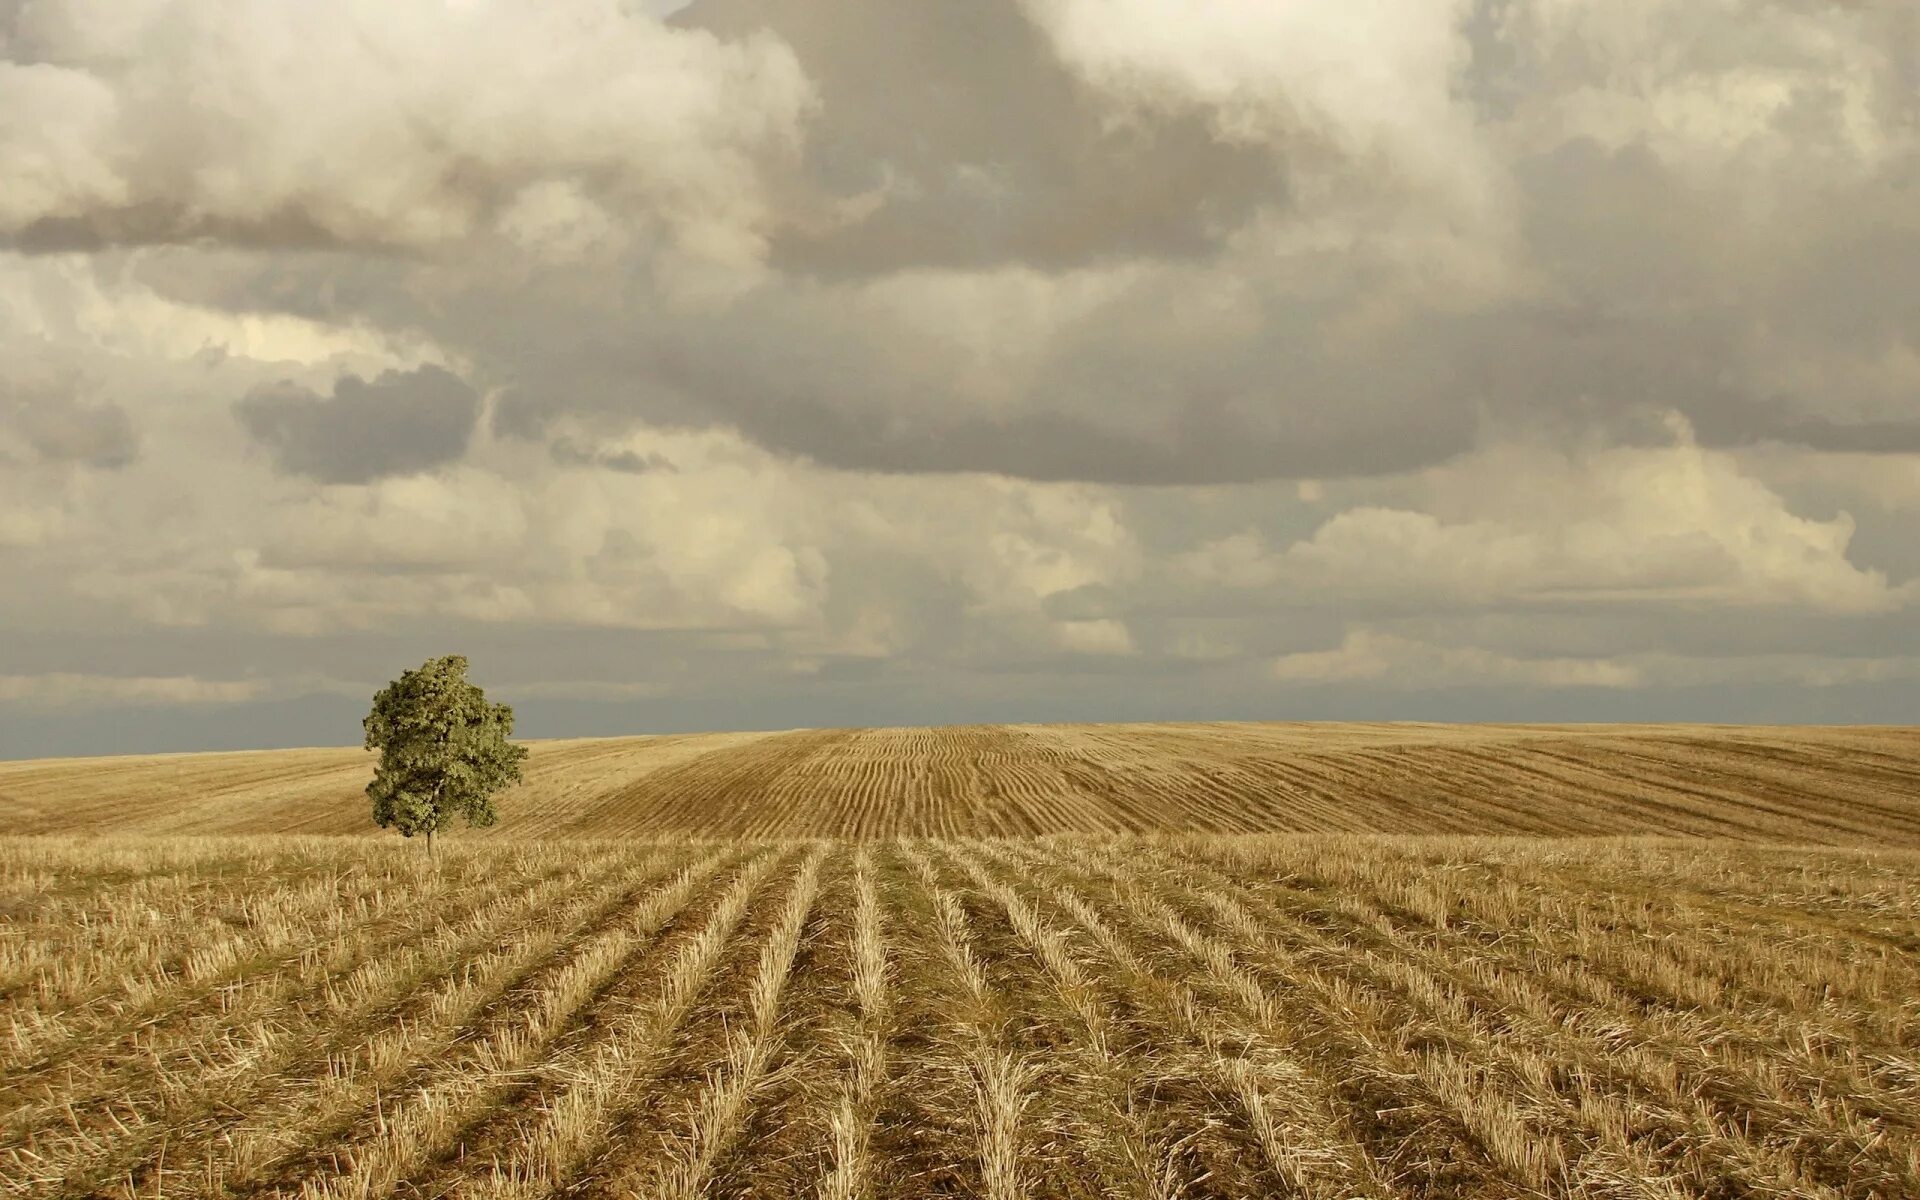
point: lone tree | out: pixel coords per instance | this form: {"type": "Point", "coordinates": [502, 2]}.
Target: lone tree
{"type": "Point", "coordinates": [443, 750]}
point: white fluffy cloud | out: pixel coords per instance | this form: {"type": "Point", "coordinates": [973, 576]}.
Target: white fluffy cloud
{"type": "Point", "coordinates": [391, 125]}
{"type": "Point", "coordinates": [1676, 525]}
{"type": "Point", "coordinates": [1723, 117]}
{"type": "Point", "coordinates": [1373, 78]}
{"type": "Point", "coordinates": [718, 536]}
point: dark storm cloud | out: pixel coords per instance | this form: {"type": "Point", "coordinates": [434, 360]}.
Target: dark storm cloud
{"type": "Point", "coordinates": [1198, 445]}
{"type": "Point", "coordinates": [399, 423]}
{"type": "Point", "coordinates": [1646, 297]}
{"type": "Point", "coordinates": [979, 147]}
{"type": "Point", "coordinates": [1779, 423]}
{"type": "Point", "coordinates": [1869, 437]}
{"type": "Point", "coordinates": [1669, 299]}
{"type": "Point", "coordinates": [1102, 412]}
{"type": "Point", "coordinates": [1638, 286]}
{"type": "Point", "coordinates": [161, 224]}
{"type": "Point", "coordinates": [1636, 281]}
{"type": "Point", "coordinates": [1119, 394]}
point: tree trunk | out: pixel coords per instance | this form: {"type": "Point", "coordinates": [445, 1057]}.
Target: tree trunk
{"type": "Point", "coordinates": [438, 785]}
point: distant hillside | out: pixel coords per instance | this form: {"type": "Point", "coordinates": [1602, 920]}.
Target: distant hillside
{"type": "Point", "coordinates": [1836, 785]}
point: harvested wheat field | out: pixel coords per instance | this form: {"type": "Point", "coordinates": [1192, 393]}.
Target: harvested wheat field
{"type": "Point", "coordinates": [716, 1000]}
{"type": "Point", "coordinates": [1829, 785]}
{"type": "Point", "coordinates": [1251, 1016]}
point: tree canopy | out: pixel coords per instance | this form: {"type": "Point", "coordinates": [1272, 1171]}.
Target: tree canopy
{"type": "Point", "coordinates": [443, 749]}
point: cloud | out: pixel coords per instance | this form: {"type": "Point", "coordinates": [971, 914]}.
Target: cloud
{"type": "Point", "coordinates": [950, 135]}
{"type": "Point", "coordinates": [1524, 525]}
{"type": "Point", "coordinates": [462, 520]}
{"type": "Point", "coordinates": [269, 124]}
{"type": "Point", "coordinates": [27, 523]}
{"type": "Point", "coordinates": [68, 690]}
{"type": "Point", "coordinates": [1166, 375]}
{"type": "Point", "coordinates": [1104, 636]}
{"type": "Point", "coordinates": [1860, 437]}
{"type": "Point", "coordinates": [732, 539]}
{"type": "Point", "coordinates": [841, 351]}
{"type": "Point", "coordinates": [568, 453]}
{"type": "Point", "coordinates": [65, 430]}
{"type": "Point", "coordinates": [1211, 250]}
{"type": "Point", "coordinates": [46, 416]}
{"type": "Point", "coordinates": [399, 423]}
{"type": "Point", "coordinates": [1373, 656]}
{"type": "Point", "coordinates": [1399, 662]}
{"type": "Point", "coordinates": [1370, 81]}
{"type": "Point", "coordinates": [588, 689]}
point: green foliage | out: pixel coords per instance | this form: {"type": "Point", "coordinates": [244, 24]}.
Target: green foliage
{"type": "Point", "coordinates": [443, 750]}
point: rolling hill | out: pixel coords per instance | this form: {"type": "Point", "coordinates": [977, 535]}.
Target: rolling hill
{"type": "Point", "coordinates": [1825, 785]}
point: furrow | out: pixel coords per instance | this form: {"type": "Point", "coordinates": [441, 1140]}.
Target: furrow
{"type": "Point", "coordinates": [579, 1094]}
{"type": "Point", "coordinates": [721, 1108]}
{"type": "Point", "coordinates": [196, 1096]}
{"type": "Point", "coordinates": [850, 1175]}
{"type": "Point", "coordinates": [436, 1106]}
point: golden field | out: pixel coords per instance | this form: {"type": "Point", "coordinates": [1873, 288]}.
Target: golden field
{"type": "Point", "coordinates": [1245, 961]}
{"type": "Point", "coordinates": [1829, 785]}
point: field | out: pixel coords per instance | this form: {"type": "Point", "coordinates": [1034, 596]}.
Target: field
{"type": "Point", "coordinates": [794, 965]}
{"type": "Point", "coordinates": [1840, 786]}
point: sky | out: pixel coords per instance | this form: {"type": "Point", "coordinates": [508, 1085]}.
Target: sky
{"type": "Point", "coordinates": [742, 364]}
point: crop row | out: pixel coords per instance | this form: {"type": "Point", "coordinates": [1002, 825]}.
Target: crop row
{"type": "Point", "coordinates": [1825, 786]}
{"type": "Point", "coordinates": [1325, 1017]}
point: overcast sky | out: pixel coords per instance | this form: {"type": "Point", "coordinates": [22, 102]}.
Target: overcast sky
{"type": "Point", "coordinates": [752, 364]}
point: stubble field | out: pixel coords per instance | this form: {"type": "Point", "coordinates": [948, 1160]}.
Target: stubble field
{"type": "Point", "coordinates": [1830, 785]}
{"type": "Point", "coordinates": [854, 970]}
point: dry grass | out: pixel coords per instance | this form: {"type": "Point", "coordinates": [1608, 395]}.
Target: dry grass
{"type": "Point", "coordinates": [1831, 786]}
{"type": "Point", "coordinates": [1073, 1017]}
{"type": "Point", "coordinates": [850, 1173]}
{"type": "Point", "coordinates": [737, 1008]}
